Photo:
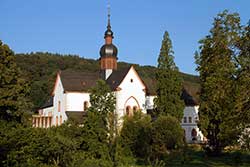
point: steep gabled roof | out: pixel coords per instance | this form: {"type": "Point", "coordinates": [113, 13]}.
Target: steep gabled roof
{"type": "Point", "coordinates": [78, 81]}
{"type": "Point", "coordinates": [115, 79]}
{"type": "Point", "coordinates": [48, 103]}
{"type": "Point", "coordinates": [188, 99]}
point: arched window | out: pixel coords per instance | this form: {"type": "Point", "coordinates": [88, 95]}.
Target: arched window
{"type": "Point", "coordinates": [196, 119]}
{"type": "Point", "coordinates": [60, 120]}
{"type": "Point", "coordinates": [56, 120]}
{"type": "Point", "coordinates": [134, 108]}
{"type": "Point", "coordinates": [185, 120]}
{"type": "Point", "coordinates": [128, 108]}
{"type": "Point", "coordinates": [194, 135]}
{"type": "Point", "coordinates": [190, 119]}
{"type": "Point", "coordinates": [59, 106]}
{"type": "Point", "coordinates": [85, 106]}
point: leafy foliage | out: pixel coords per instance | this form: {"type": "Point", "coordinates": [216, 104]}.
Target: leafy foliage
{"type": "Point", "coordinates": [218, 118]}
{"type": "Point", "coordinates": [243, 78]}
{"type": "Point", "coordinates": [167, 135]}
{"type": "Point", "coordinates": [13, 88]}
{"type": "Point", "coordinates": [136, 136]}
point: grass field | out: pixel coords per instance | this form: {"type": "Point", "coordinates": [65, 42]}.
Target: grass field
{"type": "Point", "coordinates": [196, 158]}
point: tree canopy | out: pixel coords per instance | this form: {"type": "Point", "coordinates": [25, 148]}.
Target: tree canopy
{"type": "Point", "coordinates": [168, 83]}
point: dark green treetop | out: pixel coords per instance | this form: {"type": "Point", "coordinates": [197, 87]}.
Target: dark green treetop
{"type": "Point", "coordinates": [243, 77]}
{"type": "Point", "coordinates": [217, 69]}
{"type": "Point", "coordinates": [169, 83]}
{"type": "Point", "coordinates": [13, 89]}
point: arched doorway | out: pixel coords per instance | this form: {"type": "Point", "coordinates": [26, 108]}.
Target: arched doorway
{"type": "Point", "coordinates": [194, 134]}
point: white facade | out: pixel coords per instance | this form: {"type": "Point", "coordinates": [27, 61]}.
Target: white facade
{"type": "Point", "coordinates": [130, 95]}
{"type": "Point", "coordinates": [75, 101]}
{"type": "Point", "coordinates": [189, 124]}
{"type": "Point", "coordinates": [58, 114]}
{"type": "Point", "coordinates": [150, 102]}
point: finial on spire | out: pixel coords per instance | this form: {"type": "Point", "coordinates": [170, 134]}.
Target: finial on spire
{"type": "Point", "coordinates": [109, 25]}
{"type": "Point", "coordinates": [108, 32]}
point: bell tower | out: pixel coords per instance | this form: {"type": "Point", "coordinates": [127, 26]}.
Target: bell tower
{"type": "Point", "coordinates": [108, 52]}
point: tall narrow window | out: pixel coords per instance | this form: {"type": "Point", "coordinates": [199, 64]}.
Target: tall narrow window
{"type": "Point", "coordinates": [190, 119]}
{"type": "Point", "coordinates": [50, 121]}
{"type": "Point", "coordinates": [85, 106]}
{"type": "Point", "coordinates": [185, 120]}
{"type": "Point", "coordinates": [134, 108]}
{"type": "Point", "coordinates": [46, 122]}
{"type": "Point", "coordinates": [128, 108]}
{"type": "Point", "coordinates": [37, 123]}
{"type": "Point", "coordinates": [60, 120]}
{"type": "Point", "coordinates": [59, 106]}
{"type": "Point", "coordinates": [56, 120]}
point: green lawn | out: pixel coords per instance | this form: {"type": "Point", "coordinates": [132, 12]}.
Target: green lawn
{"type": "Point", "coordinates": [197, 158]}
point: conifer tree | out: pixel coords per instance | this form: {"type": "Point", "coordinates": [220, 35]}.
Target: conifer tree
{"type": "Point", "coordinates": [13, 89]}
{"type": "Point", "coordinates": [243, 78]}
{"type": "Point", "coordinates": [217, 69]}
{"type": "Point", "coordinates": [169, 83]}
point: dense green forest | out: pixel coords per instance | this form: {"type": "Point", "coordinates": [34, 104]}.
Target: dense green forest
{"type": "Point", "coordinates": [40, 70]}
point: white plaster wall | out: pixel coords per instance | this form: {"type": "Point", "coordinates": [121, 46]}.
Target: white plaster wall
{"type": "Point", "coordinates": [150, 102]}
{"type": "Point", "coordinates": [75, 101]}
{"type": "Point", "coordinates": [130, 89]}
{"type": "Point", "coordinates": [59, 96]}
{"type": "Point", "coordinates": [47, 111]}
{"type": "Point", "coordinates": [191, 111]}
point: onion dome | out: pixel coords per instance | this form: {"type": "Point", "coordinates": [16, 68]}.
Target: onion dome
{"type": "Point", "coordinates": [109, 50]}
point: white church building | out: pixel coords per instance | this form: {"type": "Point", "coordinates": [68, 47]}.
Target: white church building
{"type": "Point", "coordinates": [71, 98]}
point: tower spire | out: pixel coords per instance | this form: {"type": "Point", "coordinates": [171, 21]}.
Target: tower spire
{"type": "Point", "coordinates": [108, 32]}
{"type": "Point", "coordinates": [109, 25]}
{"type": "Point", "coordinates": [108, 52]}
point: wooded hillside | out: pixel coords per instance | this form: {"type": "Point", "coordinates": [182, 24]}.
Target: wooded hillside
{"type": "Point", "coordinates": [40, 70]}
